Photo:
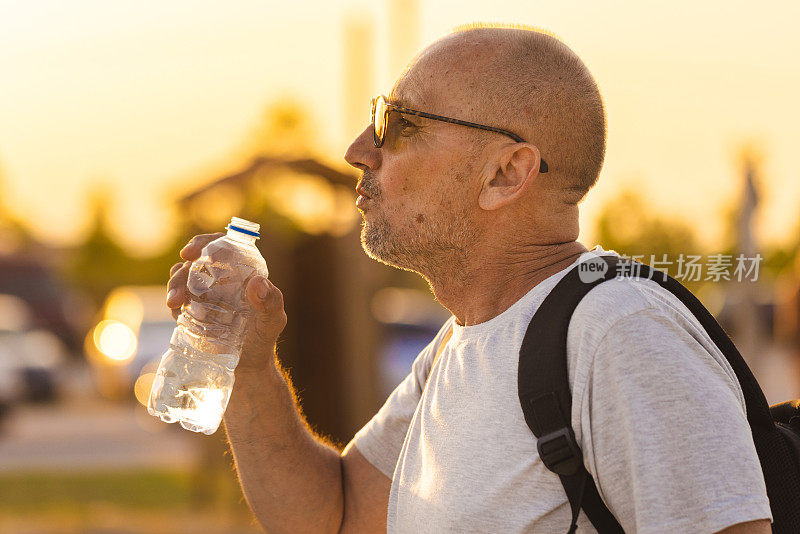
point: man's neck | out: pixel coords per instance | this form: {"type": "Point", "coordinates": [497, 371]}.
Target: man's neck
{"type": "Point", "coordinates": [485, 290]}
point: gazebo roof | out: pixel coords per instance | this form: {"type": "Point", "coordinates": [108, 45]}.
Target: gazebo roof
{"type": "Point", "coordinates": [302, 165]}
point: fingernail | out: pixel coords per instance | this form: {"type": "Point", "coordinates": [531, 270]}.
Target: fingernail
{"type": "Point", "coordinates": [263, 289]}
{"type": "Point", "coordinates": [171, 294]}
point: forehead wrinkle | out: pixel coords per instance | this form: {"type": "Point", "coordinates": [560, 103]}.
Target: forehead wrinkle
{"type": "Point", "coordinates": [408, 94]}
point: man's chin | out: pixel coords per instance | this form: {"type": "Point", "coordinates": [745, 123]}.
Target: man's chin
{"type": "Point", "coordinates": [376, 251]}
{"type": "Point", "coordinates": [379, 249]}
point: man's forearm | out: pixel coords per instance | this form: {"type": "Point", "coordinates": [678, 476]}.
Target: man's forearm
{"type": "Point", "coordinates": [291, 479]}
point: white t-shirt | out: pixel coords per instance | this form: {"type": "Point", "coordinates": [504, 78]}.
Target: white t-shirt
{"type": "Point", "coordinates": [657, 411]}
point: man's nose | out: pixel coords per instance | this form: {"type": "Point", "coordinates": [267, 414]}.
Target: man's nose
{"type": "Point", "coordinates": [362, 151]}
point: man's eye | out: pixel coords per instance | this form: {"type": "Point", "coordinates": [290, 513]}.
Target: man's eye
{"type": "Point", "coordinates": [407, 126]}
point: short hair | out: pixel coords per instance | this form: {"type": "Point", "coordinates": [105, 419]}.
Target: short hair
{"type": "Point", "coordinates": [536, 86]}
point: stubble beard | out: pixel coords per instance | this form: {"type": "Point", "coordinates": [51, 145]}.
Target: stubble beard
{"type": "Point", "coordinates": [431, 249]}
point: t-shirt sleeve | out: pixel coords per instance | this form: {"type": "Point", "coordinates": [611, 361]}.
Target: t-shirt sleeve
{"type": "Point", "coordinates": [663, 429]}
{"type": "Point", "coordinates": [381, 439]}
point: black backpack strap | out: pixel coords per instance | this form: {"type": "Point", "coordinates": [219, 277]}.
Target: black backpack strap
{"type": "Point", "coordinates": [544, 393]}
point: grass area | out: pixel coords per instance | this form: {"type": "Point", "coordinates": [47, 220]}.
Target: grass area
{"type": "Point", "coordinates": [106, 521]}
{"type": "Point", "coordinates": [135, 489]}
{"type": "Point", "coordinates": [146, 501]}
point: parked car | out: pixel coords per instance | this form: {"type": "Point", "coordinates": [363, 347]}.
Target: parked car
{"type": "Point", "coordinates": [410, 319]}
{"type": "Point", "coordinates": [30, 357]}
{"type": "Point", "coordinates": [133, 331]}
{"type": "Point", "coordinates": [52, 307]}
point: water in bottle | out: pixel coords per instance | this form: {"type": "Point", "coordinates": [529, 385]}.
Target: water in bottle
{"type": "Point", "coordinates": [195, 377]}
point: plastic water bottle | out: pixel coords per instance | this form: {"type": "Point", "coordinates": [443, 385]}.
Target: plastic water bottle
{"type": "Point", "coordinates": [195, 377]}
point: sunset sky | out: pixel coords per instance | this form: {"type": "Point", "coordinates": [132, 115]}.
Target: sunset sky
{"type": "Point", "coordinates": [142, 97]}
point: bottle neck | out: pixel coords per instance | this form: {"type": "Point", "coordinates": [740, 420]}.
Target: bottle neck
{"type": "Point", "coordinates": [239, 237]}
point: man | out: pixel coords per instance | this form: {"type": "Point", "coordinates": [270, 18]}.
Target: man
{"type": "Point", "coordinates": [656, 409]}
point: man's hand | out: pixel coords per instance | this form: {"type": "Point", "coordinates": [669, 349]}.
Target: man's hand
{"type": "Point", "coordinates": [294, 481]}
{"type": "Point", "coordinates": [268, 319]}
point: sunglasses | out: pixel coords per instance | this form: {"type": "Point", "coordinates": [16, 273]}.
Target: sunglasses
{"type": "Point", "coordinates": [381, 108]}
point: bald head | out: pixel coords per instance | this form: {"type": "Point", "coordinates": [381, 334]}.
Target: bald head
{"type": "Point", "coordinates": [525, 81]}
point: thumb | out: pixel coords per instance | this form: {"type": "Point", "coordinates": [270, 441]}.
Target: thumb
{"type": "Point", "coordinates": [263, 295]}
{"type": "Point", "coordinates": [269, 318]}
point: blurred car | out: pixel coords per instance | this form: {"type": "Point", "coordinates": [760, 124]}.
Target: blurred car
{"type": "Point", "coordinates": [30, 357]}
{"type": "Point", "coordinates": [6, 381]}
{"type": "Point", "coordinates": [133, 331]}
{"type": "Point", "coordinates": [410, 319]}
{"type": "Point", "coordinates": [52, 307]}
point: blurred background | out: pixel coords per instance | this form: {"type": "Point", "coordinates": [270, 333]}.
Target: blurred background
{"type": "Point", "coordinates": [128, 127]}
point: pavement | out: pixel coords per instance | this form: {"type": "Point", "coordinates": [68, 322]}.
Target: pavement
{"type": "Point", "coordinates": [84, 432]}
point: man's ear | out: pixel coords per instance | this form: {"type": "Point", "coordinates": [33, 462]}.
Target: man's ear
{"type": "Point", "coordinates": [508, 177]}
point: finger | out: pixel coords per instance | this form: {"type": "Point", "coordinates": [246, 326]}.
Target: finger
{"type": "Point", "coordinates": [175, 267]}
{"type": "Point", "coordinates": [176, 312]}
{"type": "Point", "coordinates": [267, 301]}
{"type": "Point", "coordinates": [192, 249]}
{"type": "Point", "coordinates": [176, 287]}
{"type": "Point", "coordinates": [263, 294]}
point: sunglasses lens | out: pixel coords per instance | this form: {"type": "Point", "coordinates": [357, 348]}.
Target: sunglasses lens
{"type": "Point", "coordinates": [379, 109]}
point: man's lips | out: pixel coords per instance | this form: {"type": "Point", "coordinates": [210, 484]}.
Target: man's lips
{"type": "Point", "coordinates": [363, 197]}
{"type": "Point", "coordinates": [361, 192]}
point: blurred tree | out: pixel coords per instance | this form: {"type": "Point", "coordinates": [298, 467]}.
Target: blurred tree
{"type": "Point", "coordinates": [100, 264]}
{"type": "Point", "coordinates": [284, 129]}
{"type": "Point", "coordinates": [631, 228]}
{"type": "Point", "coordinates": [628, 226]}
{"type": "Point", "coordinates": [14, 236]}
{"type": "Point", "coordinates": [782, 258]}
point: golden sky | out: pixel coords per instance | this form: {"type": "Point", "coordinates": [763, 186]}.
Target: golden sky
{"type": "Point", "coordinates": [141, 96]}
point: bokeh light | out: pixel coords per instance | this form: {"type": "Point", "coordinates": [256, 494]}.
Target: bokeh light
{"type": "Point", "coordinates": [115, 340]}
{"type": "Point", "coordinates": [142, 386]}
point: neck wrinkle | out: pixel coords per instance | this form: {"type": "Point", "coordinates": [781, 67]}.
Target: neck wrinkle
{"type": "Point", "coordinates": [478, 291]}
